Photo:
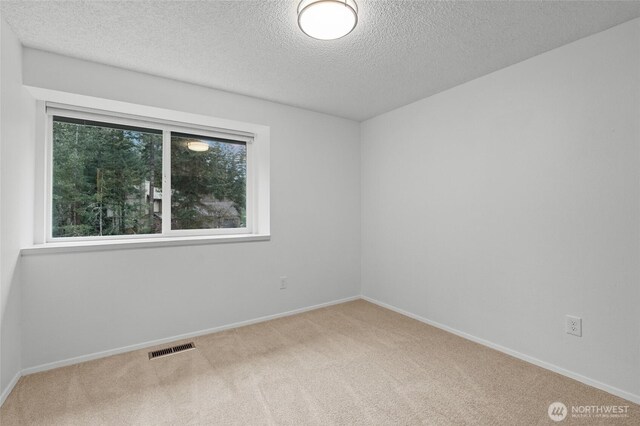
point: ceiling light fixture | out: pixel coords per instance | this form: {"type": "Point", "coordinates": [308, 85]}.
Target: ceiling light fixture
{"type": "Point", "coordinates": [327, 19]}
{"type": "Point", "coordinates": [198, 146]}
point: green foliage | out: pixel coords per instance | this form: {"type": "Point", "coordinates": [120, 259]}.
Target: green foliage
{"type": "Point", "coordinates": [208, 188]}
{"type": "Point", "coordinates": [99, 176]}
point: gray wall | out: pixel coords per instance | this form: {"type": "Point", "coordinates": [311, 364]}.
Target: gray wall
{"type": "Point", "coordinates": [16, 198]}
{"type": "Point", "coordinates": [76, 304]}
{"type": "Point", "coordinates": [499, 206]}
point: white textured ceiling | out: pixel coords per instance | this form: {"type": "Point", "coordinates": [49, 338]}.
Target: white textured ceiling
{"type": "Point", "coordinates": [401, 51]}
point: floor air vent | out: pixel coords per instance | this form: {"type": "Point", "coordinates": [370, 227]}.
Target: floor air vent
{"type": "Point", "coordinates": [170, 351]}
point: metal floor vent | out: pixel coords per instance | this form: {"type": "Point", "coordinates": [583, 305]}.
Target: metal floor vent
{"type": "Point", "coordinates": [170, 351]}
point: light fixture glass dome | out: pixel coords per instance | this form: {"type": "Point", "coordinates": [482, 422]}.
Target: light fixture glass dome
{"type": "Point", "coordinates": [327, 19]}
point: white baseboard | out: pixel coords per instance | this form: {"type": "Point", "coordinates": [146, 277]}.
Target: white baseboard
{"type": "Point", "coordinates": [546, 365]}
{"type": "Point", "coordinates": [97, 355]}
{"type": "Point", "coordinates": [586, 380]}
{"type": "Point", "coordinates": [5, 393]}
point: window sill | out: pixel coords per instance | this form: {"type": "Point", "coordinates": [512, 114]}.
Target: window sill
{"type": "Point", "coordinates": [86, 246]}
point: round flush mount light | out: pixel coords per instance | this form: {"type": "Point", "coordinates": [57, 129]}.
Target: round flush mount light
{"type": "Point", "coordinates": [327, 19]}
{"type": "Point", "coordinates": [198, 146]}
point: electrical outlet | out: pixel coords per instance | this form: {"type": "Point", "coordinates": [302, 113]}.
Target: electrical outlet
{"type": "Point", "coordinates": [284, 282]}
{"type": "Point", "coordinates": [573, 325]}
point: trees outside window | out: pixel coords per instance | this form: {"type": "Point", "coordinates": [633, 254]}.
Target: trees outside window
{"type": "Point", "coordinates": [107, 180]}
{"type": "Point", "coordinates": [209, 186]}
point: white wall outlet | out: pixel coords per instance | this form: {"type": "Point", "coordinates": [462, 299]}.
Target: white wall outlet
{"type": "Point", "coordinates": [284, 282]}
{"type": "Point", "coordinates": [573, 325]}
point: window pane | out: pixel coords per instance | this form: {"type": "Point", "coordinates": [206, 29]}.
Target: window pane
{"type": "Point", "coordinates": [208, 182]}
{"type": "Point", "coordinates": [106, 179]}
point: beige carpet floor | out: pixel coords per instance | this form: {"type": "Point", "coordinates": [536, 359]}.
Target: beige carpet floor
{"type": "Point", "coordinates": [354, 363]}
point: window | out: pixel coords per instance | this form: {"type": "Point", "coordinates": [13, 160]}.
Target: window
{"type": "Point", "coordinates": [106, 179]}
{"type": "Point", "coordinates": [115, 176]}
{"type": "Point", "coordinates": [208, 182]}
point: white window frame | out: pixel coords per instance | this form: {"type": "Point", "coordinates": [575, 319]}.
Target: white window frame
{"type": "Point", "coordinates": [256, 138]}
